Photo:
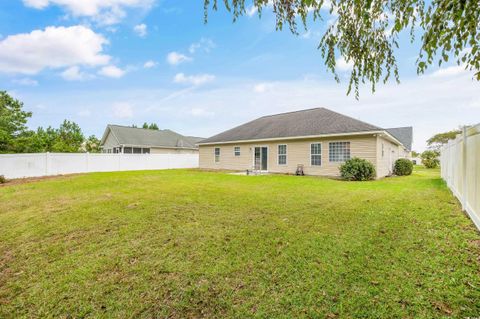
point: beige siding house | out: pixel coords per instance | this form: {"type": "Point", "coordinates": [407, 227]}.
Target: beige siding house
{"type": "Point", "coordinates": [132, 140]}
{"type": "Point", "coordinates": [318, 139]}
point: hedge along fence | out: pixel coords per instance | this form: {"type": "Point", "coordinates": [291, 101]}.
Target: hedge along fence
{"type": "Point", "coordinates": [460, 168]}
{"type": "Point", "coordinates": [46, 164]}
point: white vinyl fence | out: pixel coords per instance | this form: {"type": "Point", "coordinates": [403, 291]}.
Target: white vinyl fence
{"type": "Point", "coordinates": [460, 166]}
{"type": "Point", "coordinates": [45, 164]}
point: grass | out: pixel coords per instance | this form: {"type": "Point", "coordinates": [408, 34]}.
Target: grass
{"type": "Point", "coordinates": [187, 243]}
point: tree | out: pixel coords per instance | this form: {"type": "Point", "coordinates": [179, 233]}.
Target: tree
{"type": "Point", "coordinates": [430, 159]}
{"type": "Point", "coordinates": [13, 122]}
{"type": "Point", "coordinates": [415, 154]}
{"type": "Point", "coordinates": [152, 126]}
{"type": "Point", "coordinates": [366, 33]}
{"type": "Point", "coordinates": [438, 140]}
{"type": "Point", "coordinates": [69, 138]}
{"type": "Point", "coordinates": [92, 144]}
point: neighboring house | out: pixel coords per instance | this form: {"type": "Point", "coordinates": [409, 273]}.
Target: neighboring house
{"type": "Point", "coordinates": [319, 139]}
{"type": "Point", "coordinates": [416, 160]}
{"type": "Point", "coordinates": [131, 140]}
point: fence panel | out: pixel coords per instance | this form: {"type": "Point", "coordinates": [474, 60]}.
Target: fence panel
{"type": "Point", "coordinates": [46, 164]}
{"type": "Point", "coordinates": [460, 168]}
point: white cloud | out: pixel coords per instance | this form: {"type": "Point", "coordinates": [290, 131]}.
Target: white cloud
{"type": "Point", "coordinates": [342, 65]}
{"type": "Point", "coordinates": [140, 30]}
{"type": "Point", "coordinates": [54, 47]}
{"type": "Point", "coordinates": [205, 44]}
{"type": "Point", "coordinates": [150, 64]}
{"type": "Point", "coordinates": [105, 12]}
{"type": "Point", "coordinates": [122, 110]}
{"type": "Point", "coordinates": [175, 58]}
{"type": "Point", "coordinates": [251, 11]}
{"type": "Point", "coordinates": [26, 82]}
{"type": "Point", "coordinates": [75, 74]}
{"type": "Point", "coordinates": [201, 112]}
{"type": "Point", "coordinates": [449, 71]}
{"type": "Point", "coordinates": [307, 35]}
{"type": "Point", "coordinates": [193, 79]}
{"type": "Point", "coordinates": [262, 87]}
{"type": "Point", "coordinates": [111, 71]}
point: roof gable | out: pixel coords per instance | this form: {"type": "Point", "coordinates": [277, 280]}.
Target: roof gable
{"type": "Point", "coordinates": [311, 122]}
{"type": "Point", "coordinates": [403, 134]}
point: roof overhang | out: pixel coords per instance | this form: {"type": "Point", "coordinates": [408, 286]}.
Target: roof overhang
{"type": "Point", "coordinates": [391, 138]}
{"type": "Point", "coordinates": [378, 132]}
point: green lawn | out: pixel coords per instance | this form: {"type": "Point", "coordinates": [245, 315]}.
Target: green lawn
{"type": "Point", "coordinates": [187, 243]}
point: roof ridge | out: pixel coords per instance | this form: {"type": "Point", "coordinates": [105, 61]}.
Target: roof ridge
{"type": "Point", "coordinates": [391, 128]}
{"type": "Point", "coordinates": [354, 119]}
{"type": "Point", "coordinates": [289, 112]}
{"type": "Point", "coordinates": [138, 128]}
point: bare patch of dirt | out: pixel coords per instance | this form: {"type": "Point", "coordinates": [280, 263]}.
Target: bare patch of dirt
{"type": "Point", "coordinates": [19, 181]}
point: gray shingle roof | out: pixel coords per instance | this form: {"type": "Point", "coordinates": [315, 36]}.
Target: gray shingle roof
{"type": "Point", "coordinates": [403, 134]}
{"type": "Point", "coordinates": [154, 138]}
{"type": "Point", "coordinates": [310, 122]}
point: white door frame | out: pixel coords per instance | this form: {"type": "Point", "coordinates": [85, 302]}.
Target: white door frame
{"type": "Point", "coordinates": [253, 156]}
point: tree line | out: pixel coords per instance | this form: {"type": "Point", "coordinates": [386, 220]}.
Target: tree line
{"type": "Point", "coordinates": [15, 137]}
{"type": "Point", "coordinates": [151, 126]}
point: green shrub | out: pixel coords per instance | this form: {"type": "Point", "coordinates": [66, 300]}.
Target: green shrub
{"type": "Point", "coordinates": [357, 169]}
{"type": "Point", "coordinates": [3, 180]}
{"type": "Point", "coordinates": [430, 159]}
{"type": "Point", "coordinates": [402, 167]}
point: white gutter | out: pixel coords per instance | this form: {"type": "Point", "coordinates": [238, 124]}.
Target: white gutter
{"type": "Point", "coordinates": [305, 137]}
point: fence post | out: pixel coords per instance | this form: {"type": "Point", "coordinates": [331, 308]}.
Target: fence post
{"type": "Point", "coordinates": [86, 162]}
{"type": "Point", "coordinates": [464, 161]}
{"type": "Point", "coordinates": [47, 160]}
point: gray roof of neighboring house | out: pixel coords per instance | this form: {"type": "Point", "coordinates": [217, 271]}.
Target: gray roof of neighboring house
{"type": "Point", "coordinates": [132, 136]}
{"type": "Point", "coordinates": [309, 122]}
{"type": "Point", "coordinates": [403, 134]}
{"type": "Point", "coordinates": [195, 139]}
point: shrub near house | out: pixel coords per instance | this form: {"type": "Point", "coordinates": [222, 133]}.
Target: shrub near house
{"type": "Point", "coordinates": [357, 169]}
{"type": "Point", "coordinates": [402, 167]}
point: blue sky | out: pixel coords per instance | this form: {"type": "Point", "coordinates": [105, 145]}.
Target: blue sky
{"type": "Point", "coordinates": [132, 61]}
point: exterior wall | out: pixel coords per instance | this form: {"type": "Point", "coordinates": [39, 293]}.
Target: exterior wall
{"type": "Point", "coordinates": [298, 152]}
{"type": "Point", "coordinates": [386, 159]}
{"type": "Point", "coordinates": [155, 150]}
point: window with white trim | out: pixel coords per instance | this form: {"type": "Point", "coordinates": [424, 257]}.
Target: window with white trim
{"type": "Point", "coordinates": [217, 154]}
{"type": "Point", "coordinates": [316, 154]}
{"type": "Point", "coordinates": [236, 150]}
{"type": "Point", "coordinates": [338, 151]}
{"type": "Point", "coordinates": [282, 154]}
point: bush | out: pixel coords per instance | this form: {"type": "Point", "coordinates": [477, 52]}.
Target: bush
{"type": "Point", "coordinates": [357, 169]}
{"type": "Point", "coordinates": [3, 180]}
{"type": "Point", "coordinates": [402, 167]}
{"type": "Point", "coordinates": [430, 159]}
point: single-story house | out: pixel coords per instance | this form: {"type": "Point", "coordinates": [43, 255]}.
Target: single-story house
{"type": "Point", "coordinates": [318, 139]}
{"type": "Point", "coordinates": [132, 140]}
